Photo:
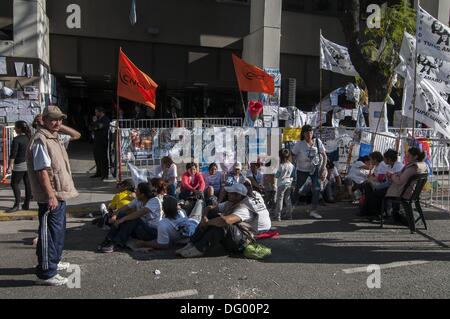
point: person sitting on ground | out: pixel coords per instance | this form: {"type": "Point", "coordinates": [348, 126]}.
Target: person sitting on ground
{"type": "Point", "coordinates": [286, 176]}
{"type": "Point", "coordinates": [332, 183]}
{"type": "Point", "coordinates": [139, 219]}
{"type": "Point", "coordinates": [213, 181]}
{"type": "Point", "coordinates": [171, 229]}
{"type": "Point", "coordinates": [256, 177]}
{"type": "Point", "coordinates": [255, 204]}
{"type": "Point", "coordinates": [230, 224]}
{"type": "Point", "coordinates": [124, 197]}
{"type": "Point", "coordinates": [168, 172]}
{"type": "Point", "coordinates": [415, 159]}
{"type": "Point", "coordinates": [357, 175]}
{"type": "Point", "coordinates": [233, 177]}
{"type": "Point", "coordinates": [192, 183]}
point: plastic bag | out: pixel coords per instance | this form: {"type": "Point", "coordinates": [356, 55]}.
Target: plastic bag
{"type": "Point", "coordinates": [257, 251]}
{"type": "Point", "coordinates": [139, 175]}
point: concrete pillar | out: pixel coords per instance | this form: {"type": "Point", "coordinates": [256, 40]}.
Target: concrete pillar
{"type": "Point", "coordinates": [437, 8]}
{"type": "Point", "coordinates": [262, 45]}
{"type": "Point", "coordinates": [31, 30]}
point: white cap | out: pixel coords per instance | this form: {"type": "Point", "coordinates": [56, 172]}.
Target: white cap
{"type": "Point", "coordinates": [237, 188]}
{"type": "Point", "coordinates": [238, 166]}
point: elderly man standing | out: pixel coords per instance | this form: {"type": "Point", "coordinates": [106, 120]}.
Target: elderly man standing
{"type": "Point", "coordinates": [51, 184]}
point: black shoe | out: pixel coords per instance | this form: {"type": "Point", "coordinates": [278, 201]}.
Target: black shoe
{"type": "Point", "coordinates": [13, 210]}
{"type": "Point", "coordinates": [106, 243]}
{"type": "Point", "coordinates": [25, 207]}
{"type": "Point", "coordinates": [95, 176]}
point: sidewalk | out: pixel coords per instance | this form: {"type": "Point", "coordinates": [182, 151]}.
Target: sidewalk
{"type": "Point", "coordinates": [93, 192]}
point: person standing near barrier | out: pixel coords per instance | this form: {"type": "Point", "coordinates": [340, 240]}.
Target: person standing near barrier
{"type": "Point", "coordinates": [100, 127]}
{"type": "Point", "coordinates": [52, 185]}
{"type": "Point", "coordinates": [311, 160]}
{"type": "Point", "coordinates": [18, 165]}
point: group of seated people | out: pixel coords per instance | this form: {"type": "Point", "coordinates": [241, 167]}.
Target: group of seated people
{"type": "Point", "coordinates": [156, 219]}
{"type": "Point", "coordinates": [377, 178]}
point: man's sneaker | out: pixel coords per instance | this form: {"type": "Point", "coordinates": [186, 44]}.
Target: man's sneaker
{"type": "Point", "coordinates": [63, 266]}
{"type": "Point", "coordinates": [105, 243]}
{"type": "Point", "coordinates": [315, 215]}
{"type": "Point", "coordinates": [54, 281]}
{"type": "Point", "coordinates": [188, 246]}
{"type": "Point", "coordinates": [108, 249]}
{"type": "Point", "coordinates": [192, 252]}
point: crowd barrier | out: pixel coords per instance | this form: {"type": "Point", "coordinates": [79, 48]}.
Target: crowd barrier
{"type": "Point", "coordinates": [7, 135]}
{"type": "Point", "coordinates": [144, 143]}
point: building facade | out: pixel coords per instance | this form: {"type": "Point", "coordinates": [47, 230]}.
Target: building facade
{"type": "Point", "coordinates": [184, 45]}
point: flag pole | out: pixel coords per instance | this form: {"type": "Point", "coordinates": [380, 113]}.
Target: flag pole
{"type": "Point", "coordinates": [244, 108]}
{"type": "Point", "coordinates": [320, 91]}
{"type": "Point", "coordinates": [118, 146]}
{"type": "Point", "coordinates": [415, 81]}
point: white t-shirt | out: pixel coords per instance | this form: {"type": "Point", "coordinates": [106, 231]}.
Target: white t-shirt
{"type": "Point", "coordinates": [154, 207]}
{"type": "Point", "coordinates": [242, 212]}
{"type": "Point", "coordinates": [305, 155]}
{"type": "Point", "coordinates": [357, 173]}
{"type": "Point", "coordinates": [171, 173]}
{"type": "Point", "coordinates": [397, 168]}
{"type": "Point", "coordinates": [41, 159]}
{"type": "Point", "coordinates": [168, 229]}
{"type": "Point", "coordinates": [285, 174]}
{"type": "Point", "coordinates": [257, 206]}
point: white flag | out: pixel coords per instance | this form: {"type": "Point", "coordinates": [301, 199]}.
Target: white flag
{"type": "Point", "coordinates": [433, 37]}
{"type": "Point", "coordinates": [335, 58]}
{"type": "Point", "coordinates": [431, 69]}
{"type": "Point", "coordinates": [431, 109]}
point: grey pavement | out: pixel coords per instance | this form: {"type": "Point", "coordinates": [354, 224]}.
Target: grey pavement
{"type": "Point", "coordinates": [93, 192]}
{"type": "Point", "coordinates": [311, 259]}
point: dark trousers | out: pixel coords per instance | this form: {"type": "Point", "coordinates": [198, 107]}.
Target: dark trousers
{"type": "Point", "coordinates": [302, 177]}
{"type": "Point", "coordinates": [16, 178]}
{"type": "Point", "coordinates": [230, 237]}
{"type": "Point", "coordinates": [101, 159]}
{"type": "Point", "coordinates": [134, 228]}
{"type": "Point", "coordinates": [52, 231]}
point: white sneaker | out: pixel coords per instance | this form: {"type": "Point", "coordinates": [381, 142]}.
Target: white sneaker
{"type": "Point", "coordinates": [188, 246]}
{"type": "Point", "coordinates": [54, 281]}
{"type": "Point", "coordinates": [315, 215]}
{"type": "Point", "coordinates": [191, 253]}
{"type": "Point", "coordinates": [63, 266]}
{"type": "Point", "coordinates": [104, 210]}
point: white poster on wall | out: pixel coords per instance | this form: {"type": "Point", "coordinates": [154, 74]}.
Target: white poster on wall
{"type": "Point", "coordinates": [378, 117]}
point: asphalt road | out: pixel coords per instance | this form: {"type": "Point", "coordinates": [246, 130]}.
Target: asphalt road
{"type": "Point", "coordinates": [312, 259]}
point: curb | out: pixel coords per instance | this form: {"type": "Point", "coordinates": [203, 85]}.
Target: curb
{"type": "Point", "coordinates": [75, 212]}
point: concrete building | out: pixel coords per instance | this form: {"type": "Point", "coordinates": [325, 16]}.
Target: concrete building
{"type": "Point", "coordinates": [184, 45]}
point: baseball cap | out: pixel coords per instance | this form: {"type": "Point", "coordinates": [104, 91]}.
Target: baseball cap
{"type": "Point", "coordinates": [238, 189]}
{"type": "Point", "coordinates": [53, 112]}
{"type": "Point", "coordinates": [238, 166]}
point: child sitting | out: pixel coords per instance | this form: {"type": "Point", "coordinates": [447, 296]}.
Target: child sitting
{"type": "Point", "coordinates": [124, 197]}
{"type": "Point", "coordinates": [357, 175]}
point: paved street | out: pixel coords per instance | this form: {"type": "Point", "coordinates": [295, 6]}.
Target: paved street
{"type": "Point", "coordinates": [312, 259]}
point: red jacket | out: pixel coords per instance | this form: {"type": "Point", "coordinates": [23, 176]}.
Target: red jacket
{"type": "Point", "coordinates": [197, 183]}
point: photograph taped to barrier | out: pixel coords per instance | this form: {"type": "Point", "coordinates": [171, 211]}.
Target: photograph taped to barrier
{"type": "Point", "coordinates": [137, 144]}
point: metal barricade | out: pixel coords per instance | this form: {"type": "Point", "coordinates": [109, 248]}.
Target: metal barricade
{"type": "Point", "coordinates": [7, 135]}
{"type": "Point", "coordinates": [181, 122]}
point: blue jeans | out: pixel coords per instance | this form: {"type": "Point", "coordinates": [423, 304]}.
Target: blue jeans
{"type": "Point", "coordinates": [52, 231]}
{"type": "Point", "coordinates": [134, 228]}
{"type": "Point", "coordinates": [315, 189]}
{"type": "Point", "coordinates": [172, 190]}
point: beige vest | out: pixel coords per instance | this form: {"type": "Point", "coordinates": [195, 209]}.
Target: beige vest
{"type": "Point", "coordinates": [59, 173]}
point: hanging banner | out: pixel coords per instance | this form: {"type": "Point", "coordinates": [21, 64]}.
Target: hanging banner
{"type": "Point", "coordinates": [433, 36]}
{"type": "Point", "coordinates": [431, 109]}
{"type": "Point", "coordinates": [429, 68]}
{"type": "Point", "coordinates": [335, 58]}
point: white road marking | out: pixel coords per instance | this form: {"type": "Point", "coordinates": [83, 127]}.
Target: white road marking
{"type": "Point", "coordinates": [387, 266]}
{"type": "Point", "coordinates": [171, 295]}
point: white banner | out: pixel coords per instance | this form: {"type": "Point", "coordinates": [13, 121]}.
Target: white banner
{"type": "Point", "coordinates": [431, 109]}
{"type": "Point", "coordinates": [335, 58]}
{"type": "Point", "coordinates": [378, 118]}
{"type": "Point", "coordinates": [431, 69]}
{"type": "Point", "coordinates": [433, 37]}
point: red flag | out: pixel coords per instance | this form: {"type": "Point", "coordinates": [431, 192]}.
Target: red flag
{"type": "Point", "coordinates": [135, 85]}
{"type": "Point", "coordinates": [251, 78]}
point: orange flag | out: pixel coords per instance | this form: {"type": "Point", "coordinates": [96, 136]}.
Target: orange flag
{"type": "Point", "coordinates": [251, 78]}
{"type": "Point", "coordinates": [135, 85]}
